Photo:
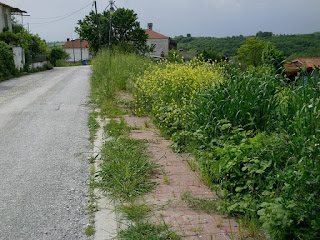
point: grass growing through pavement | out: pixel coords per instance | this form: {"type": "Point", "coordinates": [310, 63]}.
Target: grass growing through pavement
{"type": "Point", "coordinates": [126, 169]}
{"type": "Point", "coordinates": [93, 125]}
{"type": "Point", "coordinates": [207, 205]}
{"type": "Point", "coordinates": [115, 129]}
{"type": "Point", "coordinates": [148, 231]}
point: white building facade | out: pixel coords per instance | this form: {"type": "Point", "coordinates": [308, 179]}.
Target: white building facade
{"type": "Point", "coordinates": [159, 41]}
{"type": "Point", "coordinates": [78, 50]}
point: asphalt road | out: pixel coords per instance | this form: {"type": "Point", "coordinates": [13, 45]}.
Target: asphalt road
{"type": "Point", "coordinates": [43, 131]}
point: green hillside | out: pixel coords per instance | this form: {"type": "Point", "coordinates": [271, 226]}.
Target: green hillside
{"type": "Point", "coordinates": [55, 44]}
{"type": "Point", "coordinates": [298, 45]}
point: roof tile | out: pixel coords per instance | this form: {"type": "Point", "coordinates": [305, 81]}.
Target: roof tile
{"type": "Point", "coordinates": [76, 44]}
{"type": "Point", "coordinates": [154, 35]}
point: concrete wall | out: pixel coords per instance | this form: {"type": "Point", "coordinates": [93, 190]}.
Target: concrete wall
{"type": "Point", "coordinates": [77, 54]}
{"type": "Point", "coordinates": [19, 57]}
{"type": "Point", "coordinates": [5, 13]}
{"type": "Point", "coordinates": [162, 45]}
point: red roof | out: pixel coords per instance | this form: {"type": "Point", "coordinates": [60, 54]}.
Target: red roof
{"type": "Point", "coordinates": [12, 8]}
{"type": "Point", "coordinates": [155, 35]}
{"type": "Point", "coordinates": [76, 44]}
{"type": "Point", "coordinates": [301, 63]}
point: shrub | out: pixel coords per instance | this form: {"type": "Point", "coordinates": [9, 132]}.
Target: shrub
{"type": "Point", "coordinates": [7, 67]}
{"type": "Point", "coordinates": [56, 54]}
{"type": "Point", "coordinates": [167, 89]}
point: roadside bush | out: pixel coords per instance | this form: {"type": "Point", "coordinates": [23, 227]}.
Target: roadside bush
{"type": "Point", "coordinates": [7, 67]}
{"type": "Point", "coordinates": [56, 54]}
{"type": "Point", "coordinates": [167, 89]}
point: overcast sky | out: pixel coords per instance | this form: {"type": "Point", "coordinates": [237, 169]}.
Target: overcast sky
{"type": "Point", "coordinates": [215, 18]}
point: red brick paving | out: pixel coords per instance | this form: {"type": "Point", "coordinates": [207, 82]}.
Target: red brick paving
{"type": "Point", "coordinates": [166, 198]}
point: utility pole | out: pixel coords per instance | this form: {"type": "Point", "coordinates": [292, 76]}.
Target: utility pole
{"type": "Point", "coordinates": [81, 49]}
{"type": "Point", "coordinates": [110, 30]}
{"type": "Point", "coordinates": [98, 23]}
{"type": "Point", "coordinates": [74, 56]}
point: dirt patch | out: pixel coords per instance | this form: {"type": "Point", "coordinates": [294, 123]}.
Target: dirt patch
{"type": "Point", "coordinates": [139, 122]}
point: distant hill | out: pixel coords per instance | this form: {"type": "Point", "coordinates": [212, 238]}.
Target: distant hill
{"type": "Point", "coordinates": [298, 45]}
{"type": "Point", "coordinates": [55, 44]}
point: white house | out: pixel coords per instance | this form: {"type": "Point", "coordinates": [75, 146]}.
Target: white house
{"type": "Point", "coordinates": [161, 42]}
{"type": "Point", "coordinates": [78, 50]}
{"type": "Point", "coordinates": [6, 22]}
{"type": "Point", "coordinates": [5, 15]}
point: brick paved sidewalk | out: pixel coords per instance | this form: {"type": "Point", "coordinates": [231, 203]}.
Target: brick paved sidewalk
{"type": "Point", "coordinates": [176, 179]}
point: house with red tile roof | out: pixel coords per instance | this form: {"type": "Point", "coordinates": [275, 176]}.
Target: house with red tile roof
{"type": "Point", "coordinates": [78, 50]}
{"type": "Point", "coordinates": [297, 65]}
{"type": "Point", "coordinates": [5, 16]}
{"type": "Point", "coordinates": [160, 41]}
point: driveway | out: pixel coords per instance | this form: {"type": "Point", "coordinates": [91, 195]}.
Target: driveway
{"type": "Point", "coordinates": [43, 155]}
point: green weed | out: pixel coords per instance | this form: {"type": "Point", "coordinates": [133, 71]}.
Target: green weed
{"type": "Point", "coordinates": [207, 205]}
{"type": "Point", "coordinates": [148, 231]}
{"type": "Point", "coordinates": [126, 169]}
{"type": "Point", "coordinates": [93, 125]}
{"type": "Point", "coordinates": [115, 129]}
{"type": "Point", "coordinates": [135, 211]}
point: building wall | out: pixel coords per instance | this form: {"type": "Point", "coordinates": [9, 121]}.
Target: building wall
{"type": "Point", "coordinates": [19, 57]}
{"type": "Point", "coordinates": [162, 45]}
{"type": "Point", "coordinates": [5, 13]}
{"type": "Point", "coordinates": [76, 55]}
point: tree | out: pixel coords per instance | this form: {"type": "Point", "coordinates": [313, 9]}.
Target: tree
{"type": "Point", "coordinates": [211, 55]}
{"type": "Point", "coordinates": [264, 34]}
{"type": "Point", "coordinates": [251, 52]}
{"type": "Point", "coordinates": [125, 28]}
{"type": "Point", "coordinates": [56, 54]}
{"type": "Point", "coordinates": [272, 56]}
{"type": "Point", "coordinates": [32, 44]}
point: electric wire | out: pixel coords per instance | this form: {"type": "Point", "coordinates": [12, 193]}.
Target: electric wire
{"type": "Point", "coordinates": [62, 18]}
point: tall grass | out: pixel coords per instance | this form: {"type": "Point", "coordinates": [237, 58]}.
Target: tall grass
{"type": "Point", "coordinates": [249, 99]}
{"type": "Point", "coordinates": [111, 73]}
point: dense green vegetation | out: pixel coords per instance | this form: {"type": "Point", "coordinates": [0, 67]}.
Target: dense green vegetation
{"type": "Point", "coordinates": [254, 137]}
{"type": "Point", "coordinates": [298, 45]}
{"type": "Point", "coordinates": [56, 54]}
{"type": "Point", "coordinates": [33, 45]}
{"type": "Point", "coordinates": [7, 67]}
{"type": "Point", "coordinates": [55, 44]}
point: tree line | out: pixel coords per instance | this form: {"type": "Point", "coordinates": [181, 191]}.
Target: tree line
{"type": "Point", "coordinates": [292, 46]}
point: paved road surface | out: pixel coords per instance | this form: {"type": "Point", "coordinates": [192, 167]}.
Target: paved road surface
{"type": "Point", "coordinates": [43, 128]}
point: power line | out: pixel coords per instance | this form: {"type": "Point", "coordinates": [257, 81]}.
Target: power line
{"type": "Point", "coordinates": [61, 18]}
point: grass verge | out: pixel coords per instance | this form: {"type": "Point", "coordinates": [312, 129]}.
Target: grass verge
{"type": "Point", "coordinates": [126, 169]}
